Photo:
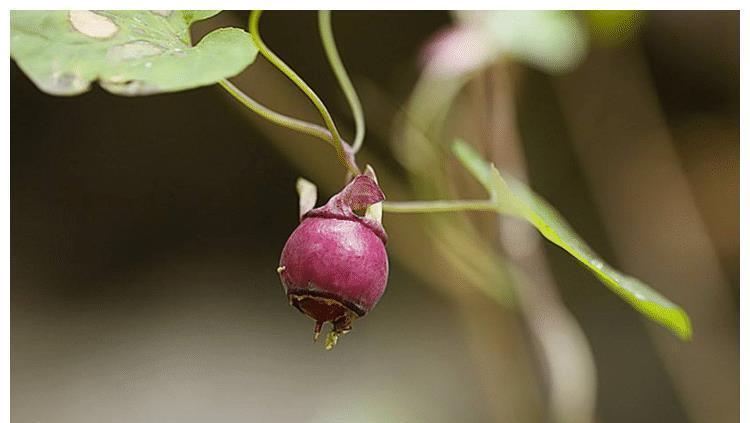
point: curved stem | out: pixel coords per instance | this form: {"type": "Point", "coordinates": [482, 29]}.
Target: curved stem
{"type": "Point", "coordinates": [439, 206]}
{"type": "Point", "coordinates": [344, 156]}
{"type": "Point", "coordinates": [329, 45]}
{"type": "Point", "coordinates": [276, 117]}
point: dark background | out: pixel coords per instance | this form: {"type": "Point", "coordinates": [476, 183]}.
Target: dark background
{"type": "Point", "coordinates": [145, 233]}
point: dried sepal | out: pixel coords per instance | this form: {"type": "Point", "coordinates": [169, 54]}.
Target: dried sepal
{"type": "Point", "coordinates": [374, 211]}
{"type": "Point", "coordinates": [308, 195]}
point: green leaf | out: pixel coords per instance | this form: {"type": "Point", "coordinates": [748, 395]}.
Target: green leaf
{"type": "Point", "coordinates": [514, 198]}
{"type": "Point", "coordinates": [190, 16]}
{"type": "Point", "coordinates": [129, 52]}
{"type": "Point", "coordinates": [613, 27]}
{"type": "Point", "coordinates": [550, 40]}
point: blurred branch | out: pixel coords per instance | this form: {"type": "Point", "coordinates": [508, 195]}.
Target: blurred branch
{"type": "Point", "coordinates": [561, 346]}
{"type": "Point", "coordinates": [562, 349]}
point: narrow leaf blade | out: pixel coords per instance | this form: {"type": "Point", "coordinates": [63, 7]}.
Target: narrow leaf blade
{"type": "Point", "coordinates": [517, 199]}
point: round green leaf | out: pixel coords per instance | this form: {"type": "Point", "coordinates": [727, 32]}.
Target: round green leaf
{"type": "Point", "coordinates": [129, 52]}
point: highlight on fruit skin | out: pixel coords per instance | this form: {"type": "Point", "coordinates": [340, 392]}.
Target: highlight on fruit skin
{"type": "Point", "coordinates": [334, 266]}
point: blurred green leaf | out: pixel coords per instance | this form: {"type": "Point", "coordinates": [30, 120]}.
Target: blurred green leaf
{"type": "Point", "coordinates": [129, 52]}
{"type": "Point", "coordinates": [514, 198]}
{"type": "Point", "coordinates": [553, 41]}
{"type": "Point", "coordinates": [613, 27]}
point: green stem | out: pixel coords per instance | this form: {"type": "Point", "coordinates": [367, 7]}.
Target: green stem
{"type": "Point", "coordinates": [329, 45]}
{"type": "Point", "coordinates": [337, 141]}
{"type": "Point", "coordinates": [439, 206]}
{"type": "Point", "coordinates": [276, 117]}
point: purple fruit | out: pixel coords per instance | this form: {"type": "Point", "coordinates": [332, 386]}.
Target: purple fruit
{"type": "Point", "coordinates": [334, 266]}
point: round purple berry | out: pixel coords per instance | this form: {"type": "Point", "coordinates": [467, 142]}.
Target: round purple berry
{"type": "Point", "coordinates": [334, 266]}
